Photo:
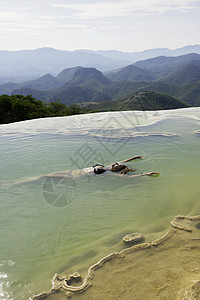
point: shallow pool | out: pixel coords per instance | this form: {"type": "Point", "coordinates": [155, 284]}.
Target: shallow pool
{"type": "Point", "coordinates": [59, 225]}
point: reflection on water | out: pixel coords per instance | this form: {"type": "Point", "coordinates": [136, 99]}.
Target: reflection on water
{"type": "Point", "coordinates": [41, 239]}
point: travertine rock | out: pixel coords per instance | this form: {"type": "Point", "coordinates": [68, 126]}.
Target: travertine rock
{"type": "Point", "coordinates": [133, 238]}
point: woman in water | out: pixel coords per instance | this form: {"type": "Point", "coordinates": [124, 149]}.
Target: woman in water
{"type": "Point", "coordinates": [118, 168]}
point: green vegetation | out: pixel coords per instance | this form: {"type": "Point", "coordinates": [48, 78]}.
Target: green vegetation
{"type": "Point", "coordinates": [187, 73]}
{"type": "Point", "coordinates": [169, 75]}
{"type": "Point", "coordinates": [19, 108]}
{"type": "Point", "coordinates": [153, 84]}
{"type": "Point", "coordinates": [140, 101]}
{"type": "Point", "coordinates": [189, 93]}
{"type": "Point", "coordinates": [91, 88]}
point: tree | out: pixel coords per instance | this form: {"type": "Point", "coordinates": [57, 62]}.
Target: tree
{"type": "Point", "coordinates": [19, 108]}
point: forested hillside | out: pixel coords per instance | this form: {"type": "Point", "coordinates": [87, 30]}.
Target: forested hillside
{"type": "Point", "coordinates": [152, 84]}
{"type": "Point", "coordinates": [20, 108]}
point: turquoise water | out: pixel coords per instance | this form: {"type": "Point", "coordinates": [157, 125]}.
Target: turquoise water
{"type": "Point", "coordinates": [41, 235]}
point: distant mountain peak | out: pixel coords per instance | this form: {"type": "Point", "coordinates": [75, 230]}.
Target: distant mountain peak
{"type": "Point", "coordinates": [83, 75]}
{"type": "Point", "coordinates": [89, 72]}
{"type": "Point", "coordinates": [67, 74]}
{"type": "Point", "coordinates": [131, 73]}
{"type": "Point", "coordinates": [47, 76]}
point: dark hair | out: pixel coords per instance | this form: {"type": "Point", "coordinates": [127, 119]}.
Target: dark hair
{"type": "Point", "coordinates": [98, 170]}
{"type": "Point", "coordinates": [118, 167]}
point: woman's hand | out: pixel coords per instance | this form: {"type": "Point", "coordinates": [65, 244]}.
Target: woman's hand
{"type": "Point", "coordinates": [137, 157]}
{"type": "Point", "coordinates": [155, 174]}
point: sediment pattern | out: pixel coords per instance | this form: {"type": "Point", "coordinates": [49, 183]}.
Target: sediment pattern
{"type": "Point", "coordinates": [192, 218]}
{"type": "Point", "coordinates": [59, 282]}
{"type": "Point", "coordinates": [63, 283]}
{"type": "Point", "coordinates": [163, 238]}
{"type": "Point", "coordinates": [179, 226]}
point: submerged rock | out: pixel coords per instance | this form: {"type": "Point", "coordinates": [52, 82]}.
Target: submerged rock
{"type": "Point", "coordinates": [75, 277]}
{"type": "Point", "coordinates": [133, 238]}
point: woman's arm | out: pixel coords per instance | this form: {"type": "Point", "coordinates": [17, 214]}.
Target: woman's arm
{"type": "Point", "coordinates": [153, 174]}
{"type": "Point", "coordinates": [129, 159]}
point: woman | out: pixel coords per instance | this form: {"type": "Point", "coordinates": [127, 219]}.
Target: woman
{"type": "Point", "coordinates": [117, 168]}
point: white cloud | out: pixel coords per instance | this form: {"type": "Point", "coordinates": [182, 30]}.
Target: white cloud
{"type": "Point", "coordinates": [12, 22]}
{"type": "Point", "coordinates": [99, 23]}
{"type": "Point", "coordinates": [126, 8]}
{"type": "Point", "coordinates": [12, 17]}
{"type": "Point", "coordinates": [16, 22]}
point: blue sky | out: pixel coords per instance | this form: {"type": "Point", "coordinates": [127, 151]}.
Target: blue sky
{"type": "Point", "coordinates": [125, 25]}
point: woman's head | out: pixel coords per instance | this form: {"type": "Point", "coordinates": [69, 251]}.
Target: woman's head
{"type": "Point", "coordinates": [117, 167]}
{"type": "Point", "coordinates": [123, 169]}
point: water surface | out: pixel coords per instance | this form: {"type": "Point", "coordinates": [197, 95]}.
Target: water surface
{"type": "Point", "coordinates": [40, 236]}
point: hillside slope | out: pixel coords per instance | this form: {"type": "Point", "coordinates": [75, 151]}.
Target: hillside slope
{"type": "Point", "coordinates": [45, 82]}
{"type": "Point", "coordinates": [158, 68]}
{"type": "Point", "coordinates": [189, 93]}
{"type": "Point", "coordinates": [185, 74]}
{"type": "Point", "coordinates": [160, 63]}
{"type": "Point", "coordinates": [131, 73]}
{"type": "Point", "coordinates": [142, 101]}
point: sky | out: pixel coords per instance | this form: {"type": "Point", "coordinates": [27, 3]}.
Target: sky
{"type": "Point", "coordinates": [124, 25]}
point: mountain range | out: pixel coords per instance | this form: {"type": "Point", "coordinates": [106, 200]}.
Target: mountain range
{"type": "Point", "coordinates": [19, 66]}
{"type": "Point", "coordinates": [178, 77]}
{"type": "Point", "coordinates": [185, 68]}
